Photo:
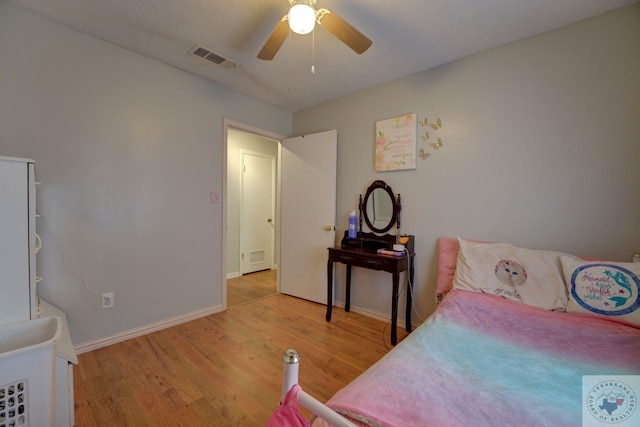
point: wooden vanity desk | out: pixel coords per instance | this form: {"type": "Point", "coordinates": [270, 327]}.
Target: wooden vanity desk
{"type": "Point", "coordinates": [380, 211]}
{"type": "Point", "coordinates": [362, 252]}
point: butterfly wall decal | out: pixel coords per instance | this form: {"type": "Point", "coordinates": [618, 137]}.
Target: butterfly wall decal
{"type": "Point", "coordinates": [422, 154]}
{"type": "Point", "coordinates": [435, 125]}
{"type": "Point", "coordinates": [437, 145]}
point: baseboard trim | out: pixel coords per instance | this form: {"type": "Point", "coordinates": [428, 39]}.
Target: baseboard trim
{"type": "Point", "coordinates": [146, 329]}
{"type": "Point", "coordinates": [383, 317]}
{"type": "Point", "coordinates": [173, 321]}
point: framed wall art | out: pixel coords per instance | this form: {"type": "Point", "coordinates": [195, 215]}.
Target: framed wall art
{"type": "Point", "coordinates": [396, 141]}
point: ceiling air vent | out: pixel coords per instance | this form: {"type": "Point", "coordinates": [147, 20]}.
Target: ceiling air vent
{"type": "Point", "coordinates": [207, 55]}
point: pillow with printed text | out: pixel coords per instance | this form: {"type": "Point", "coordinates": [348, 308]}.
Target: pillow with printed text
{"type": "Point", "coordinates": [603, 288]}
{"type": "Point", "coordinates": [529, 276]}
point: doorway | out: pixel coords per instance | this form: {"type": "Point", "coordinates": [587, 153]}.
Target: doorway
{"type": "Point", "coordinates": [311, 163]}
{"type": "Point", "coordinates": [251, 267]}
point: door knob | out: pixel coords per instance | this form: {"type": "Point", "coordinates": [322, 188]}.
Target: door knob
{"type": "Point", "coordinates": [269, 220]}
{"type": "Point", "coordinates": [328, 227]}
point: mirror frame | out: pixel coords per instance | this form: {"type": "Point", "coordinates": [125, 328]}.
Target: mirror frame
{"type": "Point", "coordinates": [379, 184]}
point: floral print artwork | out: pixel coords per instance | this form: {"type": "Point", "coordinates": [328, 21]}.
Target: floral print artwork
{"type": "Point", "coordinates": [396, 143]}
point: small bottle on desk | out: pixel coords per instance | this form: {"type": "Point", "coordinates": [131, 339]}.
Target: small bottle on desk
{"type": "Point", "coordinates": [353, 233]}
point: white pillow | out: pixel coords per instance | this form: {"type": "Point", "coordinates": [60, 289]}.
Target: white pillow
{"type": "Point", "coordinates": [603, 288]}
{"type": "Point", "coordinates": [529, 276]}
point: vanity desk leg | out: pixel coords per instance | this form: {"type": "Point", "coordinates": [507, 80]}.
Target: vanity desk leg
{"type": "Point", "coordinates": [409, 297]}
{"type": "Point", "coordinates": [329, 289]}
{"type": "Point", "coordinates": [394, 308]}
{"type": "Point", "coordinates": [347, 303]}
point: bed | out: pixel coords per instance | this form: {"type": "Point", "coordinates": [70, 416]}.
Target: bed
{"type": "Point", "coordinates": [501, 350]}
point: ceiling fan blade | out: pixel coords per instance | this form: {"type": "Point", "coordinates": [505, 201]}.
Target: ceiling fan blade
{"type": "Point", "coordinates": [343, 31]}
{"type": "Point", "coordinates": [275, 40]}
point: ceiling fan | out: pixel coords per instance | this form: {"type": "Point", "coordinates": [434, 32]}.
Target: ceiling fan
{"type": "Point", "coordinates": [301, 19]}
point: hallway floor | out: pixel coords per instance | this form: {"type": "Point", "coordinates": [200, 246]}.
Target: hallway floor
{"type": "Point", "coordinates": [252, 286]}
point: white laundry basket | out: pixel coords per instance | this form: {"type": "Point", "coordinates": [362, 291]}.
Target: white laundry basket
{"type": "Point", "coordinates": [27, 380]}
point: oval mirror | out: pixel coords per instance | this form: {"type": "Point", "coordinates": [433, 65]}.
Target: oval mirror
{"type": "Point", "coordinates": [379, 207]}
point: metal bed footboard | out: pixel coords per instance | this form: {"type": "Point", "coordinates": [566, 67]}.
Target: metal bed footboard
{"type": "Point", "coordinates": [291, 364]}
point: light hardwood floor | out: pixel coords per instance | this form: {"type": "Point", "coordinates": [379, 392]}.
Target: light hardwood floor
{"type": "Point", "coordinates": [224, 369]}
{"type": "Point", "coordinates": [251, 286]}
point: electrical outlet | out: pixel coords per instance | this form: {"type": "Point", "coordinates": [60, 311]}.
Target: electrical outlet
{"type": "Point", "coordinates": [107, 300]}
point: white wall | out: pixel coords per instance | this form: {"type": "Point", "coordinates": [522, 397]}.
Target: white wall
{"type": "Point", "coordinates": [240, 140]}
{"type": "Point", "coordinates": [541, 149]}
{"type": "Point", "coordinates": [128, 150]}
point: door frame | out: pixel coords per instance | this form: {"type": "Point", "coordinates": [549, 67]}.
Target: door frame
{"type": "Point", "coordinates": [263, 133]}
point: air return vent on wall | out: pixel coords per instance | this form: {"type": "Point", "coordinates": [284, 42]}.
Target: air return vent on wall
{"type": "Point", "coordinates": [207, 55]}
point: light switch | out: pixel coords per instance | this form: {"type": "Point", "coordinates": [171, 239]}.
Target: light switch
{"type": "Point", "coordinates": [214, 197]}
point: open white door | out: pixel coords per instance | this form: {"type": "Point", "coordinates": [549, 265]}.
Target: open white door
{"type": "Point", "coordinates": [308, 213]}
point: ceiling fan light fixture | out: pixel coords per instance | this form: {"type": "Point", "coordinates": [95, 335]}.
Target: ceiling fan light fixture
{"type": "Point", "coordinates": [302, 16]}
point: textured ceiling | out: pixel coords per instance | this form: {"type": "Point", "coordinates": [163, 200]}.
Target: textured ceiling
{"type": "Point", "coordinates": [408, 36]}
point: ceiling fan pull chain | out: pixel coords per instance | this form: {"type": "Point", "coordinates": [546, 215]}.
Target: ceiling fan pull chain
{"type": "Point", "coordinates": [313, 51]}
{"type": "Point", "coordinates": [289, 64]}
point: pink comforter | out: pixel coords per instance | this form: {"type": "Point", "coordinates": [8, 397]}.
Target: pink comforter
{"type": "Point", "coordinates": [480, 360]}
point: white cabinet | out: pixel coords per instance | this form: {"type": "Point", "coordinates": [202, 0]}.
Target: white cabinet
{"type": "Point", "coordinates": [18, 300]}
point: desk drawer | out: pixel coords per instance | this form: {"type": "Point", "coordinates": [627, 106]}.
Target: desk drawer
{"type": "Point", "coordinates": [346, 258]}
{"type": "Point", "coordinates": [372, 263]}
